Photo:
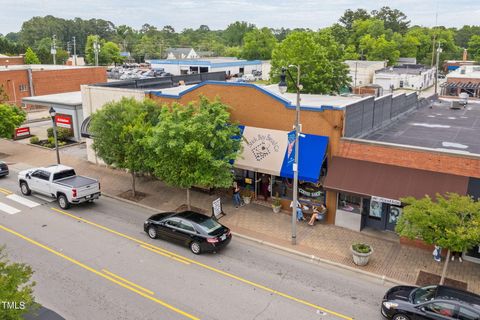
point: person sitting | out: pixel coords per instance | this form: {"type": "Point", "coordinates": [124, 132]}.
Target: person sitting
{"type": "Point", "coordinates": [300, 216]}
{"type": "Point", "coordinates": [317, 214]}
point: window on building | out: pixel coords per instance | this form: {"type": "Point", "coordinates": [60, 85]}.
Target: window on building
{"type": "Point", "coordinates": [23, 88]}
{"type": "Point", "coordinates": [348, 202]}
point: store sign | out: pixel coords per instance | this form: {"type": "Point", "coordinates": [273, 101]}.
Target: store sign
{"type": "Point", "coordinates": [312, 194]}
{"type": "Point", "coordinates": [217, 208]}
{"type": "Point", "coordinates": [23, 132]}
{"type": "Point", "coordinates": [387, 200]}
{"type": "Point", "coordinates": [63, 120]}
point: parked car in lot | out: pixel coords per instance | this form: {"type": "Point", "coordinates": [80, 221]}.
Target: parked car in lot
{"type": "Point", "coordinates": [59, 182]}
{"type": "Point", "coordinates": [3, 169]}
{"type": "Point", "coordinates": [430, 302]}
{"type": "Point", "coordinates": [197, 231]}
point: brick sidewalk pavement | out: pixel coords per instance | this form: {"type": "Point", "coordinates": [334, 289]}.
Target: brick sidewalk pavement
{"type": "Point", "coordinates": [328, 242]}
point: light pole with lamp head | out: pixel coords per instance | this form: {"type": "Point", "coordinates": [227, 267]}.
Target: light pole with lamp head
{"type": "Point", "coordinates": [282, 86]}
{"type": "Point", "coordinates": [53, 112]}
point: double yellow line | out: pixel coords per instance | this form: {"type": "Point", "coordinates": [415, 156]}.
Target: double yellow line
{"type": "Point", "coordinates": [183, 259]}
{"type": "Point", "coordinates": [106, 275]}
{"type": "Point", "coordinates": [5, 191]}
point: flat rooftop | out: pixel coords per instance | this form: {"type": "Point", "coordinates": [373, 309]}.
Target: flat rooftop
{"type": "Point", "coordinates": [439, 128]}
{"type": "Point", "coordinates": [41, 67]}
{"type": "Point", "coordinates": [67, 98]}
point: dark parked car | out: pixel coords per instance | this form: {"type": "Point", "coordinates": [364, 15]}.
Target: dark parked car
{"type": "Point", "coordinates": [3, 169]}
{"type": "Point", "coordinates": [197, 231]}
{"type": "Point", "coordinates": [431, 302]}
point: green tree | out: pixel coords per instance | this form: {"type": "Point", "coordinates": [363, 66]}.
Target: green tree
{"type": "Point", "coordinates": [474, 47]}
{"type": "Point", "coordinates": [11, 117]}
{"type": "Point", "coordinates": [235, 32]}
{"type": "Point", "coordinates": [31, 57]}
{"type": "Point", "coordinates": [15, 286]}
{"type": "Point", "coordinates": [119, 130]}
{"type": "Point", "coordinates": [464, 35]}
{"type": "Point", "coordinates": [350, 16]}
{"type": "Point", "coordinates": [258, 44]}
{"type": "Point", "coordinates": [233, 51]}
{"type": "Point", "coordinates": [194, 145]}
{"type": "Point", "coordinates": [320, 58]}
{"type": "Point", "coordinates": [109, 53]}
{"type": "Point", "coordinates": [451, 222]}
{"type": "Point", "coordinates": [379, 49]}
{"type": "Point", "coordinates": [393, 19]}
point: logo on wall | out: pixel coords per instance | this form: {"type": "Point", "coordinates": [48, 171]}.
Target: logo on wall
{"type": "Point", "coordinates": [262, 146]}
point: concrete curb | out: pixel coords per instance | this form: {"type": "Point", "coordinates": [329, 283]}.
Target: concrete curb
{"type": "Point", "coordinates": [314, 258]}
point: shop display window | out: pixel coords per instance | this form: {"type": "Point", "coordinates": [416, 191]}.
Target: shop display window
{"type": "Point", "coordinates": [282, 187]}
{"type": "Point", "coordinates": [348, 202]}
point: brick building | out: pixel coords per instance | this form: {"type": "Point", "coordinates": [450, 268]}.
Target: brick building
{"type": "Point", "coordinates": [11, 60]}
{"type": "Point", "coordinates": [464, 79]}
{"type": "Point", "coordinates": [20, 81]}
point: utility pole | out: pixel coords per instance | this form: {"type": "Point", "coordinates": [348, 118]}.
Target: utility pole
{"type": "Point", "coordinates": [355, 81]}
{"type": "Point", "coordinates": [74, 51]}
{"type": "Point", "coordinates": [439, 50]}
{"type": "Point", "coordinates": [96, 49]}
{"type": "Point", "coordinates": [53, 49]}
{"type": "Point", "coordinates": [68, 48]}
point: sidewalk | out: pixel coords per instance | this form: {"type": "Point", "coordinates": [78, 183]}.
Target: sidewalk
{"type": "Point", "coordinates": [324, 242]}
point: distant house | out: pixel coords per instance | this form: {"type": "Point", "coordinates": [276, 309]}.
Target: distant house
{"type": "Point", "coordinates": [181, 53]}
{"type": "Point", "coordinates": [407, 76]}
{"type": "Point", "coordinates": [361, 72]}
{"type": "Point", "coordinates": [464, 79]}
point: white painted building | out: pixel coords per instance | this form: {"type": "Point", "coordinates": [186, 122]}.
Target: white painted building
{"type": "Point", "coordinates": [188, 66]}
{"type": "Point", "coordinates": [413, 77]}
{"type": "Point", "coordinates": [181, 53]}
{"type": "Point", "coordinates": [362, 72]}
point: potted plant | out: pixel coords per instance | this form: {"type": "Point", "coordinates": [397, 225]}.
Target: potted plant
{"type": "Point", "coordinates": [247, 194]}
{"type": "Point", "coordinates": [277, 204]}
{"type": "Point", "coordinates": [361, 253]}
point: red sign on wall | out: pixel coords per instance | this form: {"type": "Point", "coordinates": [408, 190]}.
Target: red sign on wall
{"type": "Point", "coordinates": [21, 133]}
{"type": "Point", "coordinates": [63, 120]}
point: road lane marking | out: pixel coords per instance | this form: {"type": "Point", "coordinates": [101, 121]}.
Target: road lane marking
{"type": "Point", "coordinates": [6, 208]}
{"type": "Point", "coordinates": [304, 302]}
{"type": "Point", "coordinates": [128, 282]}
{"type": "Point", "coordinates": [78, 263]}
{"type": "Point", "coordinates": [5, 191]}
{"type": "Point", "coordinates": [165, 255]}
{"type": "Point", "coordinates": [22, 200]}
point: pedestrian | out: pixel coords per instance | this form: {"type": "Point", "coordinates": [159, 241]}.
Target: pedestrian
{"type": "Point", "coordinates": [437, 253]}
{"type": "Point", "coordinates": [265, 186]}
{"type": "Point", "coordinates": [458, 254]}
{"type": "Point", "coordinates": [237, 200]}
{"type": "Point", "coordinates": [299, 211]}
{"type": "Point", "coordinates": [318, 214]}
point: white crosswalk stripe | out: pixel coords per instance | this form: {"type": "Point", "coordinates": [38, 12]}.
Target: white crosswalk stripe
{"type": "Point", "coordinates": [23, 201]}
{"type": "Point", "coordinates": [6, 208]}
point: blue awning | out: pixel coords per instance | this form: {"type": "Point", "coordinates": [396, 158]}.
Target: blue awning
{"type": "Point", "coordinates": [273, 151]}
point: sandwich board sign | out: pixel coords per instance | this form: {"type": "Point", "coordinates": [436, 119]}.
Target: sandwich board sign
{"type": "Point", "coordinates": [217, 211]}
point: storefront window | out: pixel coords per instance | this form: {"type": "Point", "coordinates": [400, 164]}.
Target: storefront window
{"type": "Point", "coordinates": [375, 209]}
{"type": "Point", "coordinates": [282, 187]}
{"type": "Point", "coordinates": [349, 202]}
{"type": "Point", "coordinates": [311, 193]}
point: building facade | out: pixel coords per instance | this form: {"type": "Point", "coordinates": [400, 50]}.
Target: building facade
{"type": "Point", "coordinates": [465, 79]}
{"type": "Point", "coordinates": [413, 77]}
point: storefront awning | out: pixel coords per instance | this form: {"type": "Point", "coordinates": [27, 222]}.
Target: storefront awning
{"type": "Point", "coordinates": [273, 151]}
{"type": "Point", "coordinates": [84, 129]}
{"type": "Point", "coordinates": [388, 181]}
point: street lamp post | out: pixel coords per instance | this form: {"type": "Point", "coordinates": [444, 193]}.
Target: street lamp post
{"type": "Point", "coordinates": [96, 50]}
{"type": "Point", "coordinates": [283, 88]}
{"type": "Point", "coordinates": [439, 50]}
{"type": "Point", "coordinates": [53, 112]}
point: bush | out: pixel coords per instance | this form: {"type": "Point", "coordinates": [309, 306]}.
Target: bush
{"type": "Point", "coordinates": [62, 133]}
{"type": "Point", "coordinates": [361, 248]}
{"type": "Point", "coordinates": [34, 140]}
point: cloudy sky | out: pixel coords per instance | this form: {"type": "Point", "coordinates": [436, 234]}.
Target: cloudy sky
{"type": "Point", "coordinates": [217, 14]}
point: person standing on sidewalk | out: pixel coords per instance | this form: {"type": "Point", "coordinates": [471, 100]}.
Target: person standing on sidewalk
{"type": "Point", "coordinates": [237, 201]}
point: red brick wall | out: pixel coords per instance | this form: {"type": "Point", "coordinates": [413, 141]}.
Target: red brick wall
{"type": "Point", "coordinates": [49, 81]}
{"type": "Point", "coordinates": [11, 61]}
{"type": "Point", "coordinates": [462, 165]}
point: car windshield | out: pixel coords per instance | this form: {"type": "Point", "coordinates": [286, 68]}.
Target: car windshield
{"type": "Point", "coordinates": [209, 225]}
{"type": "Point", "coordinates": [423, 294]}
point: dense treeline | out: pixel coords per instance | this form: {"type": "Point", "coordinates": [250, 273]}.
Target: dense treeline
{"type": "Point", "coordinates": [384, 34]}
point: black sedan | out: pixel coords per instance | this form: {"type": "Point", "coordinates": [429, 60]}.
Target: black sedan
{"type": "Point", "coordinates": [3, 169]}
{"type": "Point", "coordinates": [430, 302]}
{"type": "Point", "coordinates": [197, 231]}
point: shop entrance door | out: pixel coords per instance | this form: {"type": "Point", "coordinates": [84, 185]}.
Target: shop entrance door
{"type": "Point", "coordinates": [375, 214]}
{"type": "Point", "coordinates": [394, 213]}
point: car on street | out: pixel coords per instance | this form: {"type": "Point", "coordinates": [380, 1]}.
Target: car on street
{"type": "Point", "coordinates": [195, 230]}
{"type": "Point", "coordinates": [59, 182]}
{"type": "Point", "coordinates": [435, 302]}
{"type": "Point", "coordinates": [3, 169]}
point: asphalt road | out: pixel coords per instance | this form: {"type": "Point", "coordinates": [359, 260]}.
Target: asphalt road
{"type": "Point", "coordinates": [95, 262]}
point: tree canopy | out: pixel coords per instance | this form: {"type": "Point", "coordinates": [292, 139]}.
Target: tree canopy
{"type": "Point", "coordinates": [11, 117]}
{"type": "Point", "coordinates": [31, 57]}
{"type": "Point", "coordinates": [258, 44]}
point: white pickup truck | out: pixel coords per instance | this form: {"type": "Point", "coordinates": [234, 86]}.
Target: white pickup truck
{"type": "Point", "coordinates": [59, 182]}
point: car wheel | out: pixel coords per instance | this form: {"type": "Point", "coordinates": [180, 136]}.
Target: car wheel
{"type": "Point", "coordinates": [152, 232]}
{"type": "Point", "coordinates": [399, 316]}
{"type": "Point", "coordinates": [25, 189]}
{"type": "Point", "coordinates": [63, 202]}
{"type": "Point", "coordinates": [195, 247]}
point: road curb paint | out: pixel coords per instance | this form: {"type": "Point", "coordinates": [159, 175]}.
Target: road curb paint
{"type": "Point", "coordinates": [128, 282]}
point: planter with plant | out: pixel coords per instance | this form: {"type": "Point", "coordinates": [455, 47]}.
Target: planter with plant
{"type": "Point", "coordinates": [361, 253]}
{"type": "Point", "coordinates": [247, 194]}
{"type": "Point", "coordinates": [277, 204]}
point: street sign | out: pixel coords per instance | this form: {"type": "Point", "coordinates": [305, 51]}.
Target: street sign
{"type": "Point", "coordinates": [64, 120]}
{"type": "Point", "coordinates": [21, 133]}
{"type": "Point", "coordinates": [217, 211]}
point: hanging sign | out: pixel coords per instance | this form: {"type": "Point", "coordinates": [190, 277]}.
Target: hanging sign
{"type": "Point", "coordinates": [387, 200]}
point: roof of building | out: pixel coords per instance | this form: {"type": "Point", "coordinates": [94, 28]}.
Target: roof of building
{"type": "Point", "coordinates": [404, 69]}
{"type": "Point", "coordinates": [468, 71]}
{"type": "Point", "coordinates": [176, 51]}
{"type": "Point", "coordinates": [436, 126]}
{"type": "Point", "coordinates": [364, 63]}
{"type": "Point", "coordinates": [67, 98]}
{"type": "Point", "coordinates": [315, 102]}
{"type": "Point", "coordinates": [42, 67]}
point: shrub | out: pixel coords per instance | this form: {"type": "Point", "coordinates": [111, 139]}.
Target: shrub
{"type": "Point", "coordinates": [361, 248]}
{"type": "Point", "coordinates": [34, 140]}
{"type": "Point", "coordinates": [62, 133]}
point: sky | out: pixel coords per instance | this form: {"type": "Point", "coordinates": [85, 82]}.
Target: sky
{"type": "Point", "coordinates": [218, 14]}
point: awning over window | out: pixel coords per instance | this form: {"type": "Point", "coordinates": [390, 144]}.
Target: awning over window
{"type": "Point", "coordinates": [388, 181]}
{"type": "Point", "coordinates": [273, 151]}
{"type": "Point", "coordinates": [84, 128]}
